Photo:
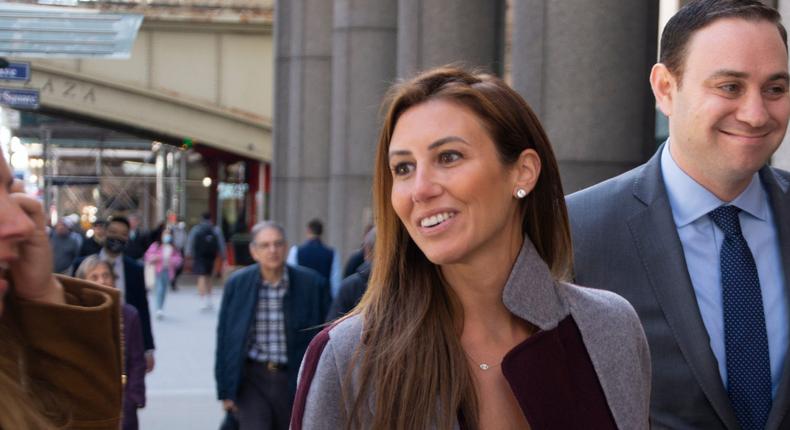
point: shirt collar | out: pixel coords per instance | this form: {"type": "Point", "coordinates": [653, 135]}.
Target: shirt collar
{"type": "Point", "coordinates": [282, 282]}
{"type": "Point", "coordinates": [107, 257]}
{"type": "Point", "coordinates": [690, 200]}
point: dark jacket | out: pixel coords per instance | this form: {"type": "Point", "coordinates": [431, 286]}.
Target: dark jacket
{"type": "Point", "coordinates": [355, 260]}
{"type": "Point", "coordinates": [625, 240]}
{"type": "Point", "coordinates": [134, 357]}
{"type": "Point", "coordinates": [90, 246]}
{"type": "Point", "coordinates": [304, 306]}
{"type": "Point", "coordinates": [139, 241]}
{"type": "Point", "coordinates": [135, 295]}
{"type": "Point", "coordinates": [351, 291]}
{"type": "Point", "coordinates": [317, 256]}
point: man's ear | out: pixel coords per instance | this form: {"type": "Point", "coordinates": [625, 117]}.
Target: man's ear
{"type": "Point", "coordinates": [528, 168]}
{"type": "Point", "coordinates": [664, 86]}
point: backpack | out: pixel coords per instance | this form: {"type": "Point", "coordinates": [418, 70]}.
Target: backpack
{"type": "Point", "coordinates": [206, 243]}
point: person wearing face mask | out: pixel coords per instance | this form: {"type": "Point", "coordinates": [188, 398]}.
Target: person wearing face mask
{"type": "Point", "coordinates": [166, 259]}
{"type": "Point", "coordinates": [60, 338]}
{"type": "Point", "coordinates": [129, 278]}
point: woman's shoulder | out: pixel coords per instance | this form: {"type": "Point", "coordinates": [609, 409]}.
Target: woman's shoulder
{"type": "Point", "coordinates": [322, 374]}
{"type": "Point", "coordinates": [331, 351]}
{"type": "Point", "coordinates": [599, 304]}
{"type": "Point", "coordinates": [341, 337]}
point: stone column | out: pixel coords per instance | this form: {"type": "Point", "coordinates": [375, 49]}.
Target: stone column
{"type": "Point", "coordinates": [363, 66]}
{"type": "Point", "coordinates": [584, 67]}
{"type": "Point", "coordinates": [300, 179]}
{"type": "Point", "coordinates": [436, 32]}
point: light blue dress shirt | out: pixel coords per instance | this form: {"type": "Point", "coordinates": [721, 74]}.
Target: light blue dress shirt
{"type": "Point", "coordinates": [702, 240]}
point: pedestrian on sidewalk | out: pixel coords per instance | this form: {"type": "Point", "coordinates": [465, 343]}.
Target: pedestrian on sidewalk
{"type": "Point", "coordinates": [204, 243]}
{"type": "Point", "coordinates": [166, 259]}
{"type": "Point", "coordinates": [96, 270]}
{"type": "Point", "coordinates": [314, 254]}
{"type": "Point", "coordinates": [65, 248]}
{"type": "Point", "coordinates": [269, 314]}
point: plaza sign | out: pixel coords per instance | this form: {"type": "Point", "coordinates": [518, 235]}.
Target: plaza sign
{"type": "Point", "coordinates": [19, 98]}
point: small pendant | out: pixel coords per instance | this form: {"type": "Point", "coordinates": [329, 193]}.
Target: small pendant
{"type": "Point", "coordinates": [484, 366]}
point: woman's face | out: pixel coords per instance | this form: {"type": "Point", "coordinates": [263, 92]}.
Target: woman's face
{"type": "Point", "coordinates": [101, 275]}
{"type": "Point", "coordinates": [449, 189]}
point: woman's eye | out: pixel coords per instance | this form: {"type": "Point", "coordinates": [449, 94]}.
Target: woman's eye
{"type": "Point", "coordinates": [401, 169]}
{"type": "Point", "coordinates": [449, 157]}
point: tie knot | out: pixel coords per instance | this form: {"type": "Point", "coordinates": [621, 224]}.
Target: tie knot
{"type": "Point", "coordinates": [726, 218]}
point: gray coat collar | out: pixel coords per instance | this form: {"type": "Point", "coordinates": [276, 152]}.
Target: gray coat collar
{"type": "Point", "coordinates": [531, 292]}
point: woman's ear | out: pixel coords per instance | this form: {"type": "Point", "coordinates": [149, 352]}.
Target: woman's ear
{"type": "Point", "coordinates": [528, 171]}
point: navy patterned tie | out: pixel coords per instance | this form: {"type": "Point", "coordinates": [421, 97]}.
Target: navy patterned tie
{"type": "Point", "coordinates": [745, 338]}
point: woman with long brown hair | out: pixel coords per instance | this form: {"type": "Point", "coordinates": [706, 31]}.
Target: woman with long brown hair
{"type": "Point", "coordinates": [468, 321]}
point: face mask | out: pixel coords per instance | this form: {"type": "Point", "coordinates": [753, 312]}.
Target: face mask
{"type": "Point", "coordinates": [167, 238]}
{"type": "Point", "coordinates": [114, 245]}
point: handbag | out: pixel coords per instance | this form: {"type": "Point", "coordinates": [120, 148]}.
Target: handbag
{"type": "Point", "coordinates": [230, 422]}
{"type": "Point", "coordinates": [149, 274]}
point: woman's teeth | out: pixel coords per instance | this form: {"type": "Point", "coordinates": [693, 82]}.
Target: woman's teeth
{"type": "Point", "coordinates": [437, 219]}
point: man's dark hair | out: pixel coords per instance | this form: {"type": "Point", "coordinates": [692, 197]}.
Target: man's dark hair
{"type": "Point", "coordinates": [699, 13]}
{"type": "Point", "coordinates": [315, 226]}
{"type": "Point", "coordinates": [120, 219]}
{"type": "Point", "coordinates": [206, 216]}
{"type": "Point", "coordinates": [100, 223]}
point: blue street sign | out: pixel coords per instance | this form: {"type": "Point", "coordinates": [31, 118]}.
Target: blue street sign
{"type": "Point", "coordinates": [19, 98]}
{"type": "Point", "coordinates": [15, 72]}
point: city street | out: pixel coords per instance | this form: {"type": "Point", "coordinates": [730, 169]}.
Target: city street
{"type": "Point", "coordinates": [181, 393]}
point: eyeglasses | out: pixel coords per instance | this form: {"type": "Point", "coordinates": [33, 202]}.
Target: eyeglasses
{"type": "Point", "coordinates": [278, 244]}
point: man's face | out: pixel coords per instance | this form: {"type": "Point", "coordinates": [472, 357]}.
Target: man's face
{"type": "Point", "coordinates": [118, 230]}
{"type": "Point", "coordinates": [99, 232]}
{"type": "Point", "coordinates": [268, 249]}
{"type": "Point", "coordinates": [61, 229]}
{"type": "Point", "coordinates": [730, 112]}
{"type": "Point", "coordinates": [134, 221]}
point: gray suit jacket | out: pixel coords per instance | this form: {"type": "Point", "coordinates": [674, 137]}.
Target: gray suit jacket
{"type": "Point", "coordinates": [625, 240]}
{"type": "Point", "coordinates": [609, 328]}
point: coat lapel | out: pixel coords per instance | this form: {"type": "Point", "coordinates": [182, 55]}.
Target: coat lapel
{"type": "Point", "coordinates": [657, 242]}
{"type": "Point", "coordinates": [779, 195]}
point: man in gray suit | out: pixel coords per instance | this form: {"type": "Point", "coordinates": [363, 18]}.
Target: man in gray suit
{"type": "Point", "coordinates": [698, 238]}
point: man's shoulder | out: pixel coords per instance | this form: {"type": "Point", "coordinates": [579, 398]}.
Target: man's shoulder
{"type": "Point", "coordinates": [622, 184]}
{"type": "Point", "coordinates": [781, 177]}
{"type": "Point", "coordinates": [243, 274]}
{"type": "Point", "coordinates": [315, 244]}
{"type": "Point", "coordinates": [299, 275]}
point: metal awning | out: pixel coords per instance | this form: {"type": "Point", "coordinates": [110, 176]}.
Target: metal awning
{"type": "Point", "coordinates": [35, 31]}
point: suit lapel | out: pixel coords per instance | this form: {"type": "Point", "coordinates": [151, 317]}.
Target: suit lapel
{"type": "Point", "coordinates": [657, 242]}
{"type": "Point", "coordinates": [778, 189]}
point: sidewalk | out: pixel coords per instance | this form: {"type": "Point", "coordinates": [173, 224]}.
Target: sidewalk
{"type": "Point", "coordinates": [181, 391]}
